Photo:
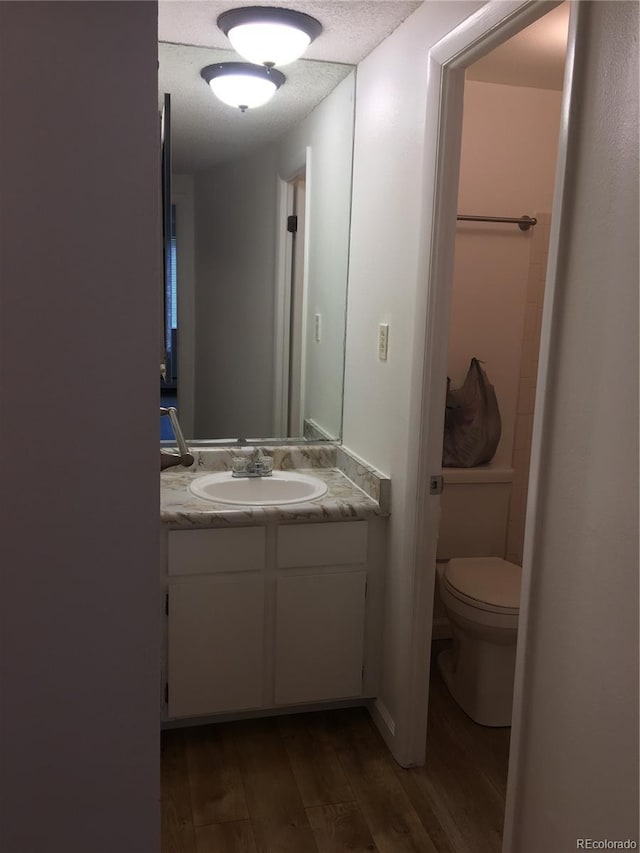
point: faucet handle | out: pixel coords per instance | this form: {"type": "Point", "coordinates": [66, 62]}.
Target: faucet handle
{"type": "Point", "coordinates": [265, 464]}
{"type": "Point", "coordinates": [256, 464]}
{"type": "Point", "coordinates": [239, 464]}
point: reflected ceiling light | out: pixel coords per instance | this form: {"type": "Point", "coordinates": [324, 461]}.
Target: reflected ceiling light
{"type": "Point", "coordinates": [267, 35]}
{"type": "Point", "coordinates": [242, 85]}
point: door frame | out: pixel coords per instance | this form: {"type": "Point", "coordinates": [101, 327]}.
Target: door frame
{"type": "Point", "coordinates": [298, 310]}
{"type": "Point", "coordinates": [489, 27]}
{"type": "Point", "coordinates": [283, 303]}
{"type": "Point", "coordinates": [282, 307]}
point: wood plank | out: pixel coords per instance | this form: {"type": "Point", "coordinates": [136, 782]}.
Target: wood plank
{"type": "Point", "coordinates": [340, 828]}
{"type": "Point", "coordinates": [454, 804]}
{"type": "Point", "coordinates": [280, 823]}
{"type": "Point", "coordinates": [217, 792]}
{"type": "Point", "coordinates": [471, 818]}
{"type": "Point", "coordinates": [486, 747]}
{"type": "Point", "coordinates": [317, 770]}
{"type": "Point", "coordinates": [392, 820]}
{"type": "Point", "coordinates": [426, 812]}
{"type": "Point", "coordinates": [339, 726]}
{"type": "Point", "coordinates": [232, 837]}
{"type": "Point", "coordinates": [459, 793]}
{"type": "Point", "coordinates": [177, 817]}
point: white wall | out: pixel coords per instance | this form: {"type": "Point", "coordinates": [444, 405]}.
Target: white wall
{"type": "Point", "coordinates": [79, 383]}
{"type": "Point", "coordinates": [383, 281]}
{"type": "Point", "coordinates": [328, 133]}
{"type": "Point", "coordinates": [236, 239]}
{"type": "Point", "coordinates": [507, 168]}
{"type": "Point", "coordinates": [574, 753]}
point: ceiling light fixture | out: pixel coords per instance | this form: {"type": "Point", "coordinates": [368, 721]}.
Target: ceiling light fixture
{"type": "Point", "coordinates": [267, 35]}
{"type": "Point", "coordinates": [242, 85]}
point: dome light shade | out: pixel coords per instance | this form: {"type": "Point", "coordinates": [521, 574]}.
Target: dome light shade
{"type": "Point", "coordinates": [242, 85]}
{"type": "Point", "coordinates": [267, 35]}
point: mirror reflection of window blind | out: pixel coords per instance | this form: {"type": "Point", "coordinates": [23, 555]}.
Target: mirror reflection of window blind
{"type": "Point", "coordinates": [174, 279]}
{"type": "Point", "coordinates": [172, 303]}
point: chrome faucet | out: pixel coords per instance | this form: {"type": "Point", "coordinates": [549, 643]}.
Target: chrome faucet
{"type": "Point", "coordinates": [257, 464]}
{"type": "Point", "coordinates": [168, 460]}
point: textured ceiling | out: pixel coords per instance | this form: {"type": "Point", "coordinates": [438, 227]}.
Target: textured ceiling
{"type": "Point", "coordinates": [206, 132]}
{"type": "Point", "coordinates": [351, 28]}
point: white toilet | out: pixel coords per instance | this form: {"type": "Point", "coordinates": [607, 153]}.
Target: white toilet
{"type": "Point", "coordinates": [480, 592]}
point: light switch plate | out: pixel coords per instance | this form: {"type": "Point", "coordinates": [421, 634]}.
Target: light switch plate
{"type": "Point", "coordinates": [383, 341]}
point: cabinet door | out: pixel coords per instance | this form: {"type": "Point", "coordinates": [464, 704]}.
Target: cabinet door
{"type": "Point", "coordinates": [216, 639]}
{"type": "Point", "coordinates": [319, 637]}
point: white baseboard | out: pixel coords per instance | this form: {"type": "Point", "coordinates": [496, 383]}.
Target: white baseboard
{"type": "Point", "coordinates": [259, 713]}
{"type": "Point", "coordinates": [384, 722]}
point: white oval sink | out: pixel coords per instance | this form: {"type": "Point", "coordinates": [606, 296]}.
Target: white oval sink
{"type": "Point", "coordinates": [282, 487]}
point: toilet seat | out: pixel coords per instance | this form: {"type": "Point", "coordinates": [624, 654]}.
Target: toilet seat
{"type": "Point", "coordinates": [485, 583]}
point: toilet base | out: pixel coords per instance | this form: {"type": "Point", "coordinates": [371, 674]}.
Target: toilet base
{"type": "Point", "coordinates": [480, 676]}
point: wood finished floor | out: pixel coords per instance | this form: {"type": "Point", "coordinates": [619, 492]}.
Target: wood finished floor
{"type": "Point", "coordinates": [326, 783]}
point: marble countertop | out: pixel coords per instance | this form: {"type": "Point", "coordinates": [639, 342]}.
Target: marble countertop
{"type": "Point", "coordinates": [344, 500]}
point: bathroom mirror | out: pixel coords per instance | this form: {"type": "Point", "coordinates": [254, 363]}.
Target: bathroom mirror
{"type": "Point", "coordinates": [261, 241]}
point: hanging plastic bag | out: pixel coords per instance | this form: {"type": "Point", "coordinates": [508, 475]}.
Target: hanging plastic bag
{"type": "Point", "coordinates": [472, 424]}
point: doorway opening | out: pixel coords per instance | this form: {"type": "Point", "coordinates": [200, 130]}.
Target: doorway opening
{"type": "Point", "coordinates": [489, 28]}
{"type": "Point", "coordinates": [511, 121]}
{"type": "Point", "coordinates": [509, 145]}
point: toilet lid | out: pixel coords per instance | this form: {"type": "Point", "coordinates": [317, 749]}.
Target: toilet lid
{"type": "Point", "coordinates": [488, 580]}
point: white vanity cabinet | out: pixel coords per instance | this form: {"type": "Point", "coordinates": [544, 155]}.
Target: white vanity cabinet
{"type": "Point", "coordinates": [271, 616]}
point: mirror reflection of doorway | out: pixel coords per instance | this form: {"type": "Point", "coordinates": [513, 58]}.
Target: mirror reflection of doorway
{"type": "Point", "coordinates": [296, 328]}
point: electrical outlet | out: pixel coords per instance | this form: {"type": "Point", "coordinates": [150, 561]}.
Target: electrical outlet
{"type": "Point", "coordinates": [383, 341]}
{"type": "Point", "coordinates": [318, 324]}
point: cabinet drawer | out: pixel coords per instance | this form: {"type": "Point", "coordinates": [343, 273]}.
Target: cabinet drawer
{"type": "Point", "coordinates": [197, 552]}
{"type": "Point", "coordinates": [327, 544]}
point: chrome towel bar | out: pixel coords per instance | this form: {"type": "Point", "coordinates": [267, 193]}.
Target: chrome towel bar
{"type": "Point", "coordinates": [523, 222]}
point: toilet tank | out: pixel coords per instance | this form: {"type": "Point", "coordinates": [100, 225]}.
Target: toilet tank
{"type": "Point", "coordinates": [474, 510]}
